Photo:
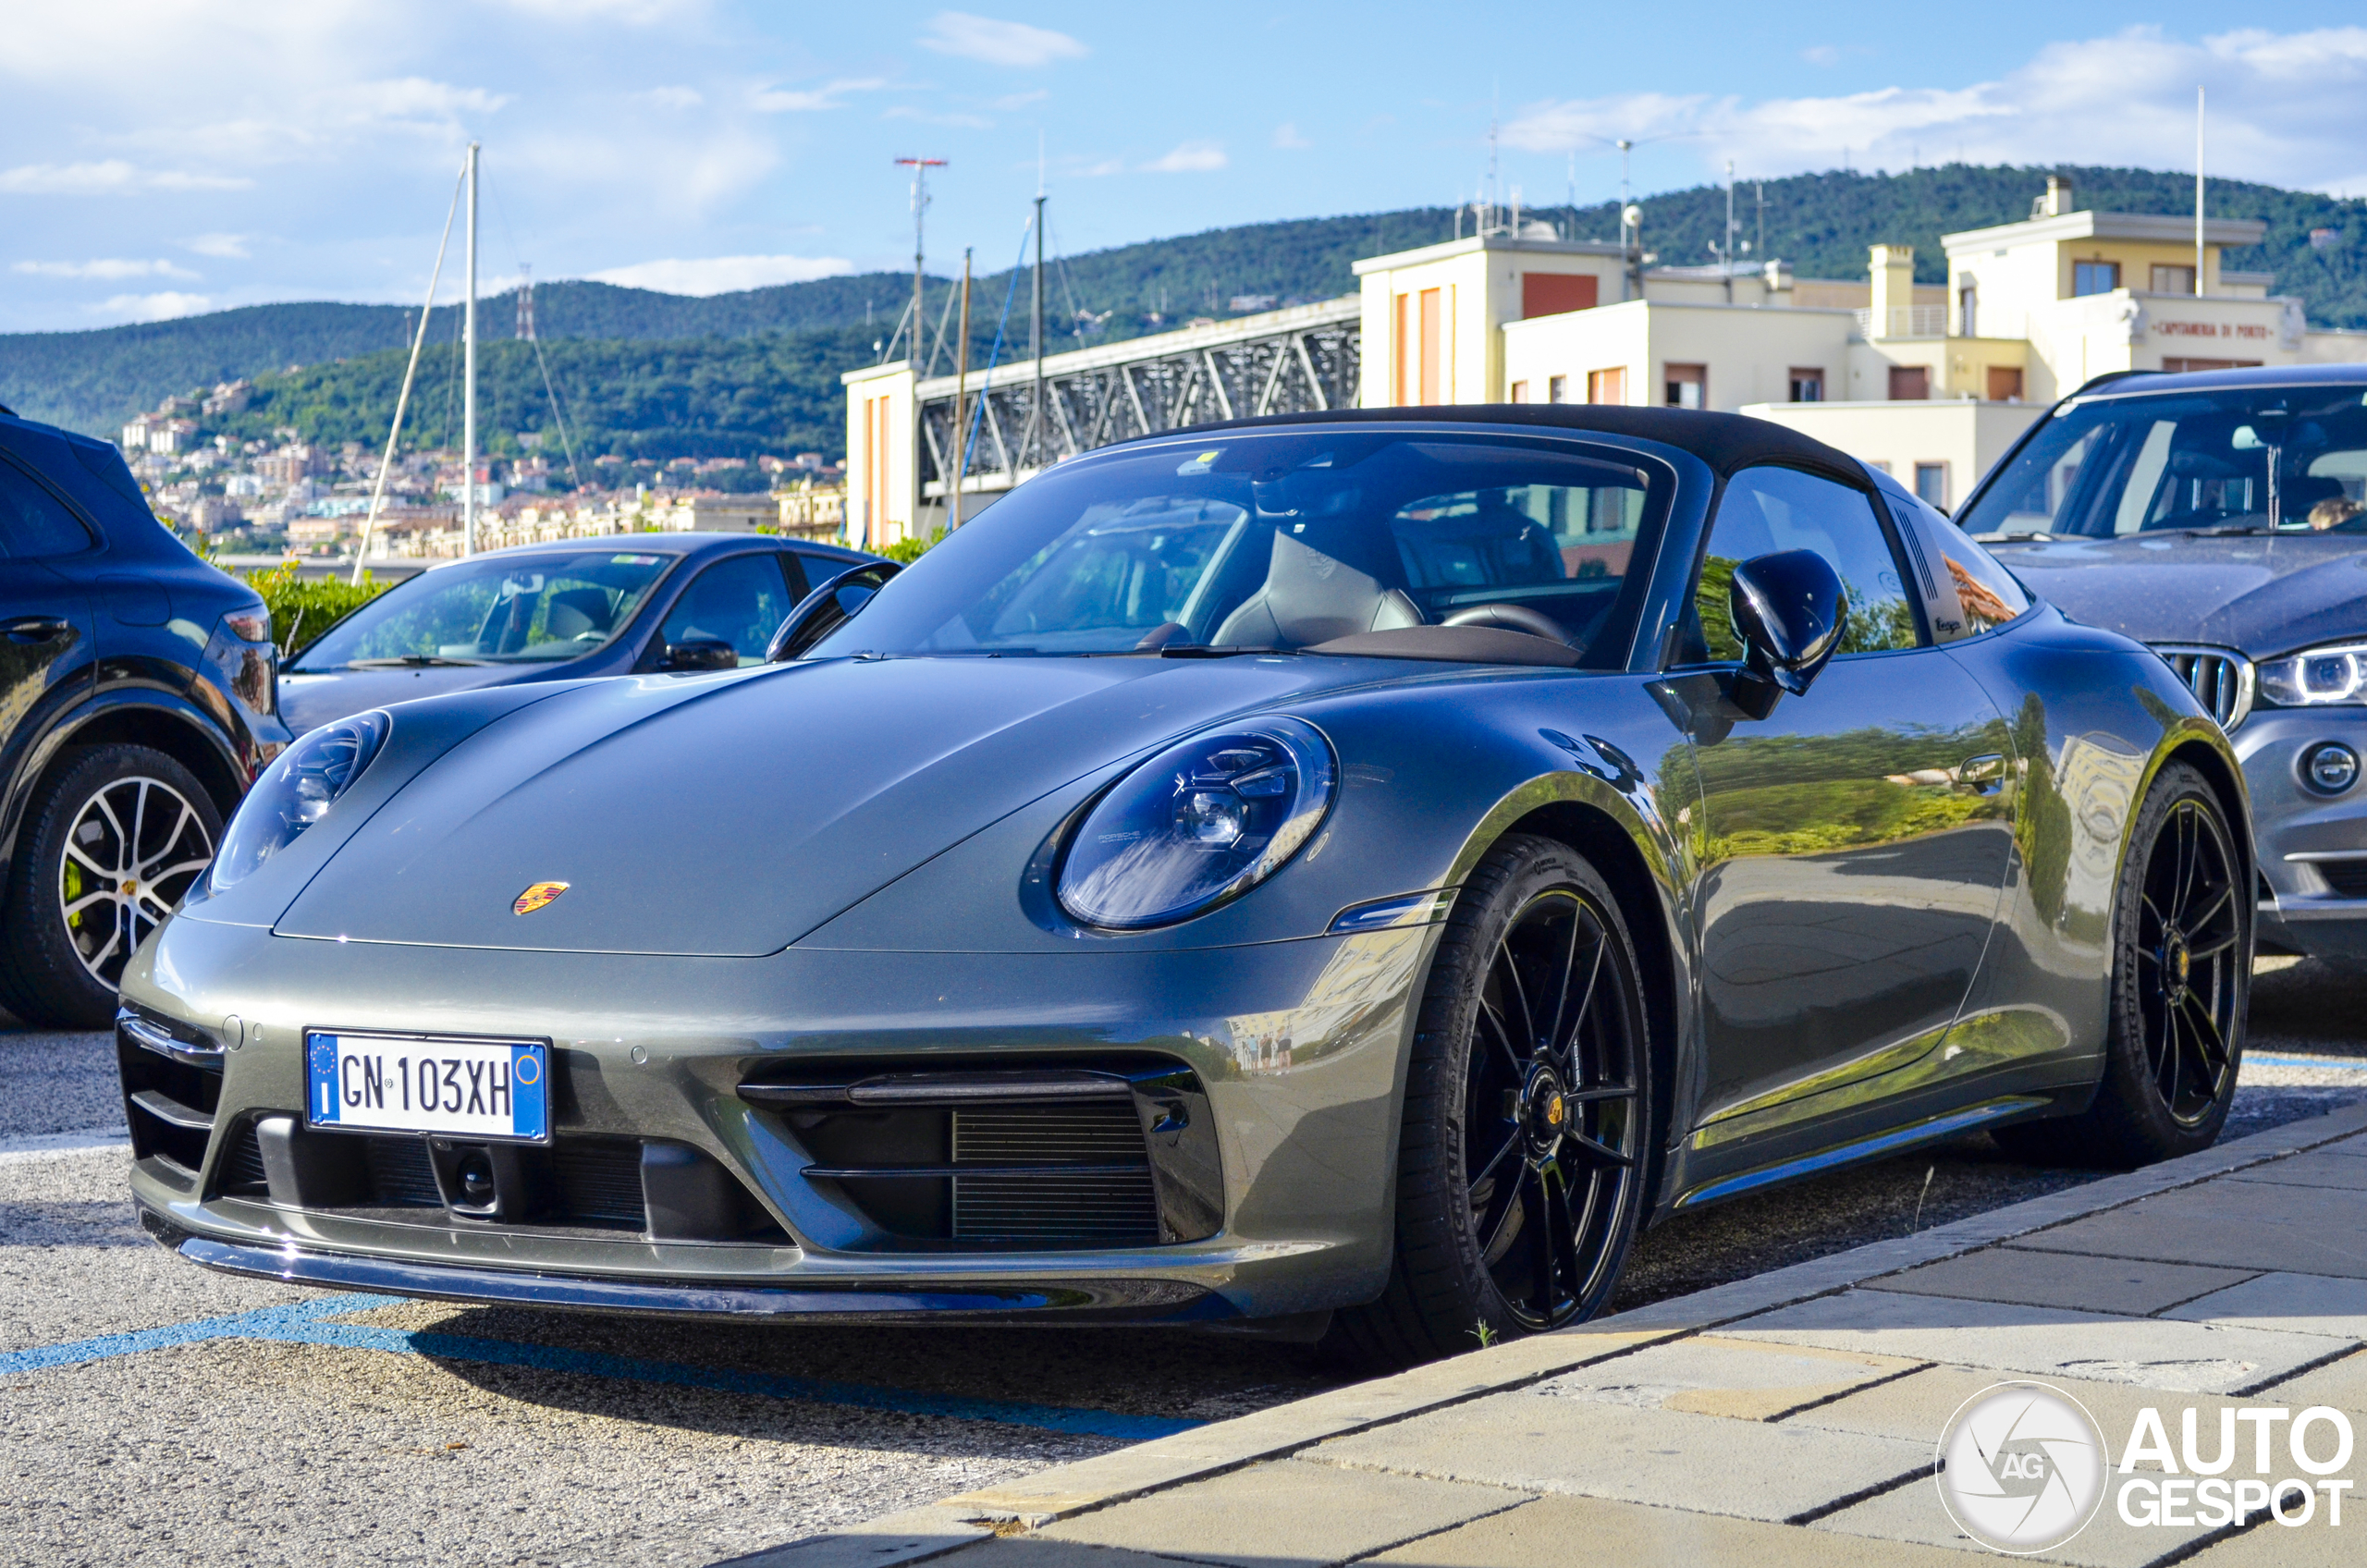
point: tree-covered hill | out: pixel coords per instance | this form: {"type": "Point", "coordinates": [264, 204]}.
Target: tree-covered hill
{"type": "Point", "coordinates": [652, 368]}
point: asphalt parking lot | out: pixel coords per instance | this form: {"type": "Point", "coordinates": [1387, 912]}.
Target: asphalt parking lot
{"type": "Point", "coordinates": [153, 1413]}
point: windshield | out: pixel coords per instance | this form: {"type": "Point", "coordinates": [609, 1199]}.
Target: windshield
{"type": "Point", "coordinates": [521, 610]}
{"type": "Point", "coordinates": [1285, 540]}
{"type": "Point", "coordinates": [2248, 459]}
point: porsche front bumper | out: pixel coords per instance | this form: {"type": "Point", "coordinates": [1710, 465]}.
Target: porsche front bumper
{"type": "Point", "coordinates": [1296, 1049]}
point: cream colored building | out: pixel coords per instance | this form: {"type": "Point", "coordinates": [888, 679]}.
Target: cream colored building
{"type": "Point", "coordinates": [1933, 382]}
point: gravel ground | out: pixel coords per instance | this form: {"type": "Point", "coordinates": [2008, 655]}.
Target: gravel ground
{"type": "Point", "coordinates": [430, 1442]}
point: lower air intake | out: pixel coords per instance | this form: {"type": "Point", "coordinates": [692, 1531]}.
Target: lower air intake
{"type": "Point", "coordinates": [1109, 1206]}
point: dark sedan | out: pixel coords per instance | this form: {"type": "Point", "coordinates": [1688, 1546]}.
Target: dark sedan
{"type": "Point", "coordinates": [2219, 517]}
{"type": "Point", "coordinates": [634, 603]}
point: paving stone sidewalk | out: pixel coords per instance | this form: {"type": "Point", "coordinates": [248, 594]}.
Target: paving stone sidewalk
{"type": "Point", "coordinates": [1789, 1418]}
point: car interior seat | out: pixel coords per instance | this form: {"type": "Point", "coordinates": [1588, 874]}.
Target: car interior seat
{"type": "Point", "coordinates": [1312, 597]}
{"type": "Point", "coordinates": [574, 611]}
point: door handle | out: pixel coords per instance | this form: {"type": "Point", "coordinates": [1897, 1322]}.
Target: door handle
{"type": "Point", "coordinates": [35, 629]}
{"type": "Point", "coordinates": [1983, 774]}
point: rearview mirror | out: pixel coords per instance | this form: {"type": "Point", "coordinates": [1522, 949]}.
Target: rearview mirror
{"type": "Point", "coordinates": [827, 609]}
{"type": "Point", "coordinates": [701, 653]}
{"type": "Point", "coordinates": [1787, 610]}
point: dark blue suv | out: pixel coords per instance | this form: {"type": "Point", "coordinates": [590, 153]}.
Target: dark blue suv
{"type": "Point", "coordinates": [138, 701]}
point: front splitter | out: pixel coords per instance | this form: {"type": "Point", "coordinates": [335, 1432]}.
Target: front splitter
{"type": "Point", "coordinates": [1115, 1301]}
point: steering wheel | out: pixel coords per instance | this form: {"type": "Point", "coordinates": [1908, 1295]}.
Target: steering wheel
{"type": "Point", "coordinates": [1510, 617]}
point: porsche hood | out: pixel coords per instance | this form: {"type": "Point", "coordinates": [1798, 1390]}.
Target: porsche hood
{"type": "Point", "coordinates": [731, 816]}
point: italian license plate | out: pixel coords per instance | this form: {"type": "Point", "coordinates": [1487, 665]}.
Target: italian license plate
{"type": "Point", "coordinates": [414, 1083]}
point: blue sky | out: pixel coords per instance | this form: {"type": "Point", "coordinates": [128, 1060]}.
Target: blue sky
{"type": "Point", "coordinates": [159, 157]}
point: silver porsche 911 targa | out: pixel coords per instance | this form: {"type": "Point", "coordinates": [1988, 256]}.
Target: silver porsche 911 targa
{"type": "Point", "coordinates": [1350, 870]}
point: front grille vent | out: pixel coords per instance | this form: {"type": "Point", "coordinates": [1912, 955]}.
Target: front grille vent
{"type": "Point", "coordinates": [402, 1176]}
{"type": "Point", "coordinates": [1108, 1207]}
{"type": "Point", "coordinates": [597, 1182]}
{"type": "Point", "coordinates": [243, 1174]}
{"type": "Point", "coordinates": [2221, 680]}
{"type": "Point", "coordinates": [2345, 878]}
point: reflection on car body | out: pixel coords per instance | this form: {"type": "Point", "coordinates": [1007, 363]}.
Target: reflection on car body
{"type": "Point", "coordinates": [1351, 870]}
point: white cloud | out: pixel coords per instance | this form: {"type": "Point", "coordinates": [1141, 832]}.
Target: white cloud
{"type": "Point", "coordinates": [1010, 101]}
{"type": "Point", "coordinates": [2289, 109]}
{"type": "Point", "coordinates": [1287, 137]}
{"type": "Point", "coordinates": [229, 246]}
{"type": "Point", "coordinates": [998, 43]}
{"type": "Point", "coordinates": [1822, 54]}
{"type": "Point", "coordinates": [831, 95]}
{"type": "Point", "coordinates": [724, 274]}
{"type": "Point", "coordinates": [108, 268]}
{"type": "Point", "coordinates": [1191, 157]}
{"type": "Point", "coordinates": [112, 177]}
{"type": "Point", "coordinates": [640, 13]}
{"type": "Point", "coordinates": [154, 307]}
{"type": "Point", "coordinates": [673, 97]}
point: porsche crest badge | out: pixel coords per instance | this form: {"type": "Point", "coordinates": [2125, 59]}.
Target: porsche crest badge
{"type": "Point", "coordinates": [536, 897]}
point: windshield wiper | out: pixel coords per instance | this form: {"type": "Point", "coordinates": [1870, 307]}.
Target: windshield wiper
{"type": "Point", "coordinates": [1227, 651]}
{"type": "Point", "coordinates": [415, 661]}
{"type": "Point", "coordinates": [2235, 530]}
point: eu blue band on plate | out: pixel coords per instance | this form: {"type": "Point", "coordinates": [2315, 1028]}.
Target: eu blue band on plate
{"type": "Point", "coordinates": [323, 1071]}
{"type": "Point", "coordinates": [528, 1083]}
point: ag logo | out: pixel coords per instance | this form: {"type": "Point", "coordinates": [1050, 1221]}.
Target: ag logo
{"type": "Point", "coordinates": [2022, 1468]}
{"type": "Point", "coordinates": [536, 897]}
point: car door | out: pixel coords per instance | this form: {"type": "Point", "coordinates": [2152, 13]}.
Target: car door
{"type": "Point", "coordinates": [741, 600]}
{"type": "Point", "coordinates": [47, 649]}
{"type": "Point", "coordinates": [1853, 843]}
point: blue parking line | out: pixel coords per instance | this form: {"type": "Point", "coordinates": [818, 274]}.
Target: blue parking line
{"type": "Point", "coordinates": [306, 1324]}
{"type": "Point", "coordinates": [2336, 1063]}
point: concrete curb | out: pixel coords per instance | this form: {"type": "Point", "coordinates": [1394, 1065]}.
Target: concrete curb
{"type": "Point", "coordinates": [1108, 1479]}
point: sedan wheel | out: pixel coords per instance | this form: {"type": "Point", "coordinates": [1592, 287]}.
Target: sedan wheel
{"type": "Point", "coordinates": [111, 843]}
{"type": "Point", "coordinates": [1526, 1129]}
{"type": "Point", "coordinates": [2182, 947]}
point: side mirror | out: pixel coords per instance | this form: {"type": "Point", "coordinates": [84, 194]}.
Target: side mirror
{"type": "Point", "coordinates": [1787, 610]}
{"type": "Point", "coordinates": [827, 609]}
{"type": "Point", "coordinates": [701, 653]}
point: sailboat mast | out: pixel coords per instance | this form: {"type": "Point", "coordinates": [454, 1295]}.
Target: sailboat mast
{"type": "Point", "coordinates": [469, 374]}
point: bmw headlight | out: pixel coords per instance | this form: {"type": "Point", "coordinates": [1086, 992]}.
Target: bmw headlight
{"type": "Point", "coordinates": [1198, 824]}
{"type": "Point", "coordinates": [296, 791]}
{"type": "Point", "coordinates": [2317, 677]}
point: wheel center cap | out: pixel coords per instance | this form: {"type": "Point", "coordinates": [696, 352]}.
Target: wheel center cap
{"type": "Point", "coordinates": [2177, 965]}
{"type": "Point", "coordinates": [130, 887]}
{"type": "Point", "coordinates": [1545, 1108]}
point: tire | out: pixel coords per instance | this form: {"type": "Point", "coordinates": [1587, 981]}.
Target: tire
{"type": "Point", "coordinates": [2181, 968]}
{"type": "Point", "coordinates": [1513, 1116]}
{"type": "Point", "coordinates": [111, 840]}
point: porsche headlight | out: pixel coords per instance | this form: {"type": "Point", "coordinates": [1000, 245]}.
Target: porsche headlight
{"type": "Point", "coordinates": [296, 791]}
{"type": "Point", "coordinates": [2318, 677]}
{"type": "Point", "coordinates": [1198, 824]}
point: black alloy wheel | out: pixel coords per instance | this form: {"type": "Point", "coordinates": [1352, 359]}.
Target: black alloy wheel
{"type": "Point", "coordinates": [1526, 1142]}
{"type": "Point", "coordinates": [112, 838]}
{"type": "Point", "coordinates": [2182, 949]}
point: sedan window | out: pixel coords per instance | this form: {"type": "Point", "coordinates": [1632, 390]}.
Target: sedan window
{"type": "Point", "coordinates": [1770, 509]}
{"type": "Point", "coordinates": [33, 524]}
{"type": "Point", "coordinates": [741, 601]}
{"type": "Point", "coordinates": [493, 610]}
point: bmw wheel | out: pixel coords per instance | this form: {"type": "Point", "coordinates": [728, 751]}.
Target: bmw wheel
{"type": "Point", "coordinates": [111, 842]}
{"type": "Point", "coordinates": [1525, 1138]}
{"type": "Point", "coordinates": [2182, 942]}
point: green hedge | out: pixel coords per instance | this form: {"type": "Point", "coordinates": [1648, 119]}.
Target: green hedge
{"type": "Point", "coordinates": [301, 610]}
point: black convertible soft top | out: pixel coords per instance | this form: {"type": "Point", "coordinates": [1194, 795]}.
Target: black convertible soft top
{"type": "Point", "coordinates": [1726, 441]}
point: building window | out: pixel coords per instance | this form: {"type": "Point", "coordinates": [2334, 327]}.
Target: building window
{"type": "Point", "coordinates": [1688, 387]}
{"type": "Point", "coordinates": [2094, 278]}
{"type": "Point", "coordinates": [1968, 312]}
{"type": "Point", "coordinates": [1553, 293]}
{"type": "Point", "coordinates": [1808, 384]}
{"type": "Point", "coordinates": [1909, 383]}
{"type": "Point", "coordinates": [1520, 391]}
{"type": "Point", "coordinates": [1557, 389]}
{"type": "Point", "coordinates": [1932, 484]}
{"type": "Point", "coordinates": [2172, 280]}
{"type": "Point", "coordinates": [1607, 386]}
{"type": "Point", "coordinates": [2004, 384]}
{"type": "Point", "coordinates": [1431, 356]}
{"type": "Point", "coordinates": [2180, 367]}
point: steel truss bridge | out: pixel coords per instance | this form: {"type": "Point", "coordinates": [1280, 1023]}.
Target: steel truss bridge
{"type": "Point", "coordinates": [1295, 360]}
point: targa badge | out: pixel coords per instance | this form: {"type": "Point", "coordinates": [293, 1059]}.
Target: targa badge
{"type": "Point", "coordinates": [536, 897]}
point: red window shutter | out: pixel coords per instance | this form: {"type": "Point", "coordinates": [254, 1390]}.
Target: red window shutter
{"type": "Point", "coordinates": [1550, 293]}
